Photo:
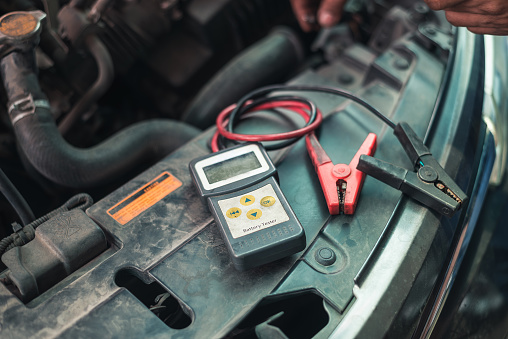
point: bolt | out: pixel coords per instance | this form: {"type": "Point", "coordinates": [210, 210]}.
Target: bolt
{"type": "Point", "coordinates": [325, 256]}
{"type": "Point", "coordinates": [427, 174]}
{"type": "Point", "coordinates": [401, 63]}
{"type": "Point", "coordinates": [341, 171]}
{"type": "Point", "coordinates": [421, 8]}
{"type": "Point", "coordinates": [430, 30]}
{"type": "Point", "coordinates": [346, 78]}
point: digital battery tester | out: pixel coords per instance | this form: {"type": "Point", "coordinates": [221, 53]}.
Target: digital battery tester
{"type": "Point", "coordinates": [254, 217]}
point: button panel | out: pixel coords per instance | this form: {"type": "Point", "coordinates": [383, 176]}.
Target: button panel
{"type": "Point", "coordinates": [264, 210]}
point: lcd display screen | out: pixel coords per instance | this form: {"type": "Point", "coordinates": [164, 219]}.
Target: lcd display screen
{"type": "Point", "coordinates": [231, 168]}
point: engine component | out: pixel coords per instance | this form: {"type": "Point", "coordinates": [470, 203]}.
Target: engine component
{"type": "Point", "coordinates": [23, 235]}
{"type": "Point", "coordinates": [130, 30]}
{"type": "Point", "coordinates": [59, 161]}
{"type": "Point", "coordinates": [61, 245]}
{"type": "Point", "coordinates": [17, 201]}
{"type": "Point", "coordinates": [104, 80]}
{"type": "Point", "coordinates": [127, 30]}
{"type": "Point", "coordinates": [21, 26]}
{"type": "Point", "coordinates": [269, 61]}
{"type": "Point", "coordinates": [123, 34]}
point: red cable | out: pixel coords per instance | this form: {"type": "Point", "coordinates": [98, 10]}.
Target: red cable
{"type": "Point", "coordinates": [295, 106]}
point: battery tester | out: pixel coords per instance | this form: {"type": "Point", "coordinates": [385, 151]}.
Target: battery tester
{"type": "Point", "coordinates": [240, 186]}
{"type": "Point", "coordinates": [254, 217]}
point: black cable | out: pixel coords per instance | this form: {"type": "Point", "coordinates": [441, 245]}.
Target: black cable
{"type": "Point", "coordinates": [323, 89]}
{"type": "Point", "coordinates": [16, 199]}
{"type": "Point", "coordinates": [237, 113]}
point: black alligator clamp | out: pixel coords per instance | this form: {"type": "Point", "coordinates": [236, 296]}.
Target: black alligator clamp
{"type": "Point", "coordinates": [429, 184]}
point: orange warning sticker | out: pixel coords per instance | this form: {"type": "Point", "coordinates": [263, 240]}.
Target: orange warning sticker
{"type": "Point", "coordinates": [144, 198]}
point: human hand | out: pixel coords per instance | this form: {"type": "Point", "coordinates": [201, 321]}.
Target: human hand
{"type": "Point", "coordinates": [311, 14]}
{"type": "Point", "coordinates": [479, 16]}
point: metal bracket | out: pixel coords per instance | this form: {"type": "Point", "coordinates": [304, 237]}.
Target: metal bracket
{"type": "Point", "coordinates": [437, 38]}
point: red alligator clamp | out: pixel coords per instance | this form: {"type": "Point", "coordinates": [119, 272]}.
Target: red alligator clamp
{"type": "Point", "coordinates": [340, 183]}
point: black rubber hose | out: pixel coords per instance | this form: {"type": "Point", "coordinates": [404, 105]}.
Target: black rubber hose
{"type": "Point", "coordinates": [16, 199]}
{"type": "Point", "coordinates": [52, 156]}
{"type": "Point", "coordinates": [269, 61]}
{"type": "Point", "coordinates": [105, 77]}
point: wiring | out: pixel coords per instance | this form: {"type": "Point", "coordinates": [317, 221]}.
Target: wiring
{"type": "Point", "coordinates": [300, 106]}
{"type": "Point", "coordinates": [258, 101]}
{"type": "Point", "coordinates": [16, 199]}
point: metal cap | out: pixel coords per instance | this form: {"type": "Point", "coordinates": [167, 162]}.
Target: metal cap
{"type": "Point", "coordinates": [16, 27]}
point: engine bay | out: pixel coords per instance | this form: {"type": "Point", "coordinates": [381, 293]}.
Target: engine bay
{"type": "Point", "coordinates": [126, 94]}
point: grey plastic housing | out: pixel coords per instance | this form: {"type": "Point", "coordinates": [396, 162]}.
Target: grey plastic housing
{"type": "Point", "coordinates": [238, 184]}
{"type": "Point", "coordinates": [61, 245]}
{"type": "Point", "coordinates": [267, 244]}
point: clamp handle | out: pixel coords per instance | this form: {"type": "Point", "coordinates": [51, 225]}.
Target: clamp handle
{"type": "Point", "coordinates": [428, 183]}
{"type": "Point", "coordinates": [412, 144]}
{"type": "Point", "coordinates": [332, 177]}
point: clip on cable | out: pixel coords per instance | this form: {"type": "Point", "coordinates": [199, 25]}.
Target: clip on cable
{"type": "Point", "coordinates": [429, 184]}
{"type": "Point", "coordinates": [341, 183]}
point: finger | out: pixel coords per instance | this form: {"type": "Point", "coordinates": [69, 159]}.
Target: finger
{"type": "Point", "coordinates": [496, 8]}
{"type": "Point", "coordinates": [305, 12]}
{"type": "Point", "coordinates": [471, 20]}
{"type": "Point", "coordinates": [489, 31]}
{"type": "Point", "coordinates": [438, 5]}
{"type": "Point", "coordinates": [330, 12]}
